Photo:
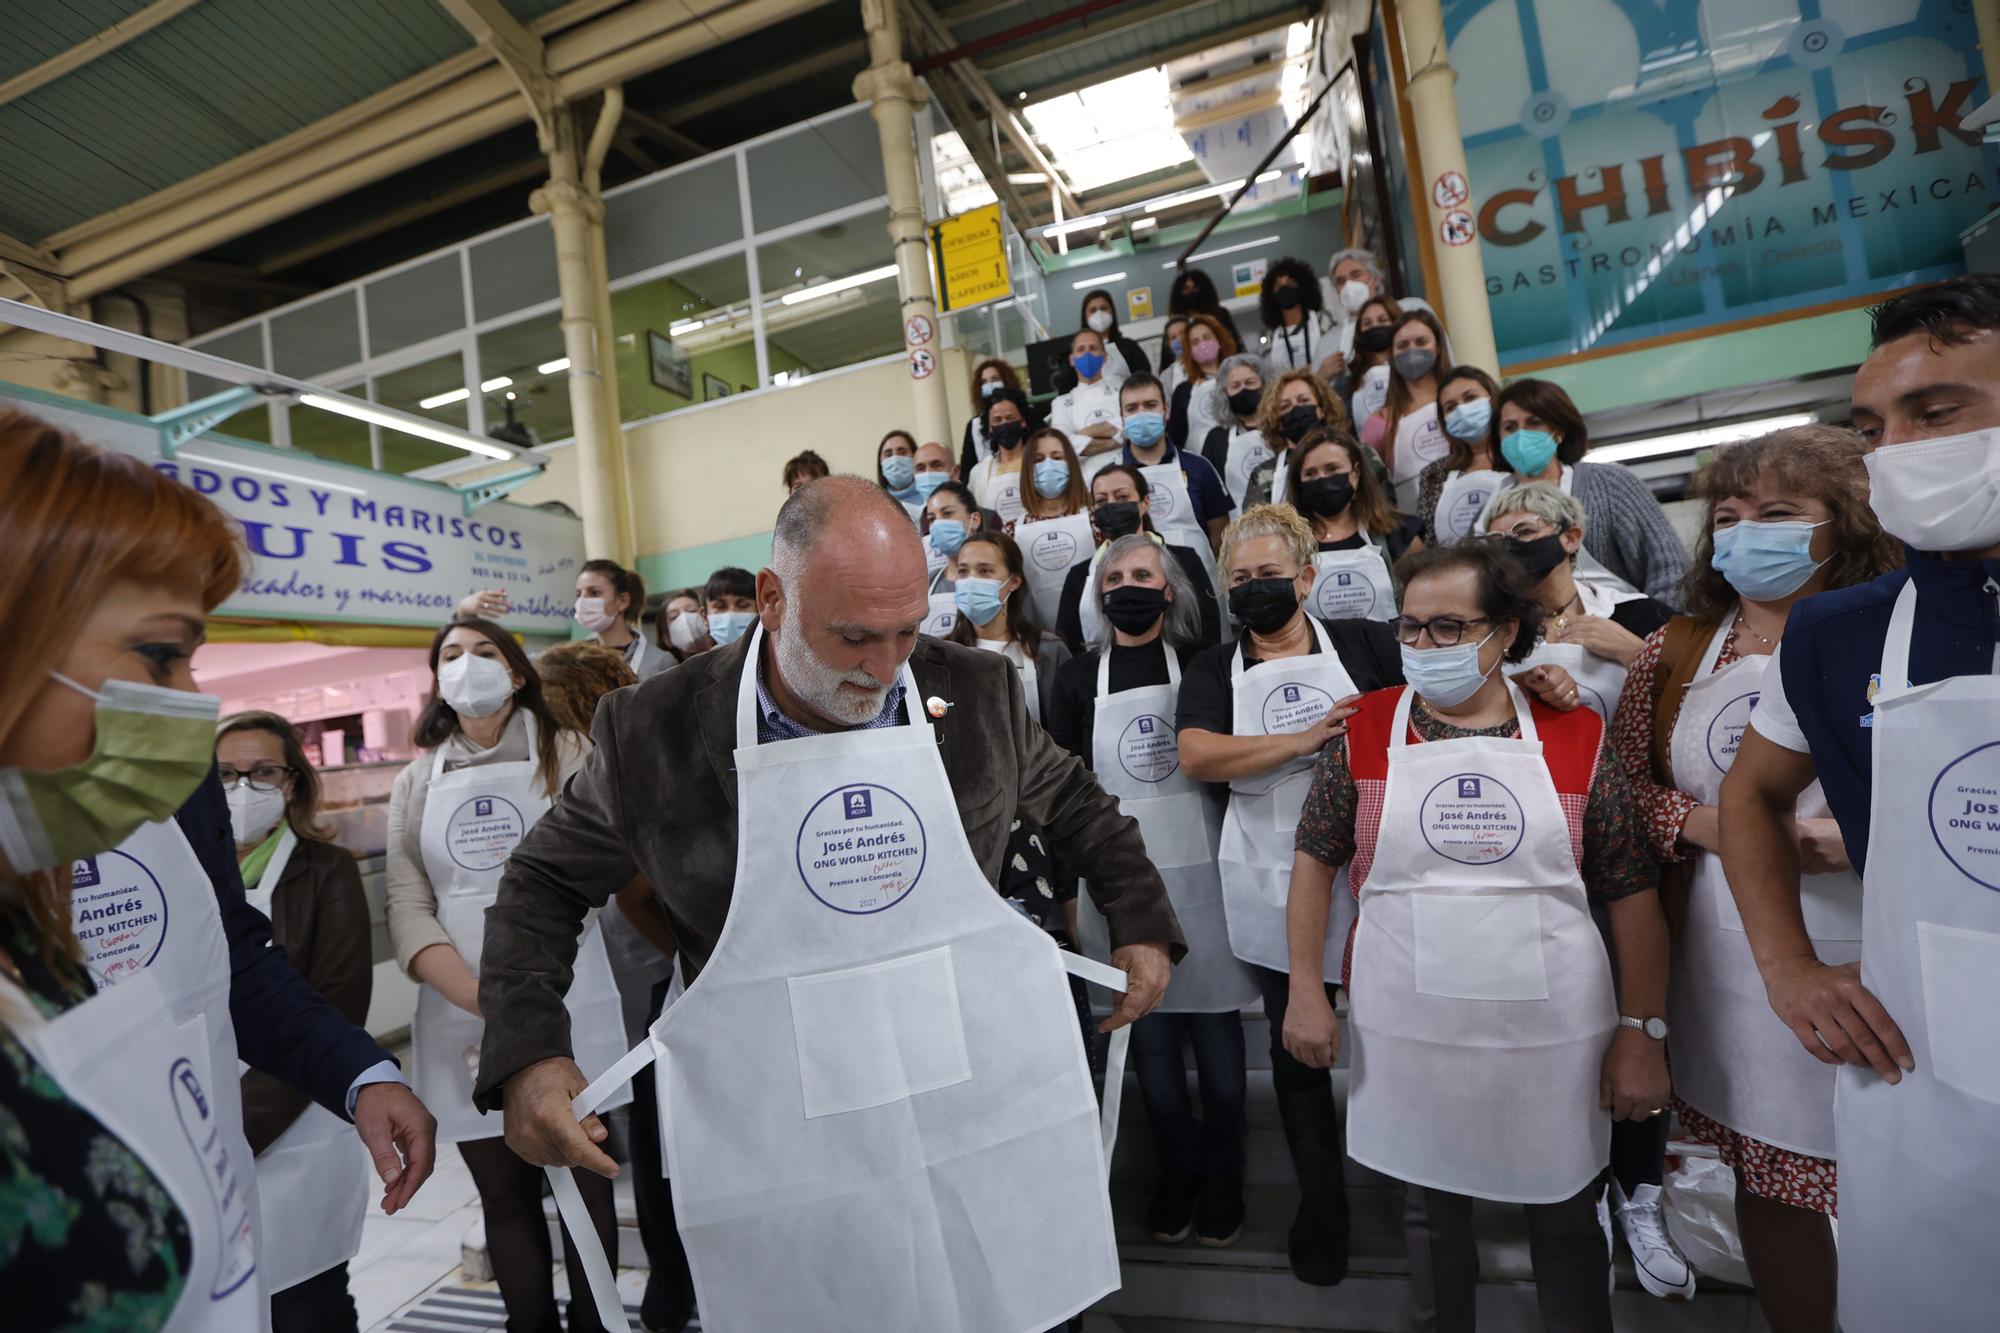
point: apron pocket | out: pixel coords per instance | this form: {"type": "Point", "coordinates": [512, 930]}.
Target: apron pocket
{"type": "Point", "coordinates": [1961, 992]}
{"type": "Point", "coordinates": [1485, 946]}
{"type": "Point", "coordinates": [868, 1036]}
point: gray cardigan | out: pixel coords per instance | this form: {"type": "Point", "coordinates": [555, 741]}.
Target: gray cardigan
{"type": "Point", "coordinates": [1628, 532]}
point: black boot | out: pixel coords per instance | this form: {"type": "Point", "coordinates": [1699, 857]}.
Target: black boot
{"type": "Point", "coordinates": [1318, 1241]}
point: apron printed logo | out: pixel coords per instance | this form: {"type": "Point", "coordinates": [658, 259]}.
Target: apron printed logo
{"type": "Point", "coordinates": [483, 806]}
{"type": "Point", "coordinates": [1342, 596]}
{"type": "Point", "coordinates": [1725, 733]}
{"type": "Point", "coordinates": [119, 913]}
{"type": "Point", "coordinates": [1294, 708]}
{"type": "Point", "coordinates": [1054, 550]}
{"type": "Point", "coordinates": [1148, 749]}
{"type": "Point", "coordinates": [861, 849]}
{"type": "Point", "coordinates": [1965, 814]}
{"type": "Point", "coordinates": [83, 875]}
{"type": "Point", "coordinates": [211, 1146]}
{"type": "Point", "coordinates": [1473, 819]}
{"type": "Point", "coordinates": [482, 833]}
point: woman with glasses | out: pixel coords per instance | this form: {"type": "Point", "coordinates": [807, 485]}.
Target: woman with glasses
{"type": "Point", "coordinates": [312, 1185]}
{"type": "Point", "coordinates": [1489, 1048]}
{"type": "Point", "coordinates": [1120, 506]}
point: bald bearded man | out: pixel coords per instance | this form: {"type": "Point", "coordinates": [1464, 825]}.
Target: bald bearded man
{"type": "Point", "coordinates": [873, 1085]}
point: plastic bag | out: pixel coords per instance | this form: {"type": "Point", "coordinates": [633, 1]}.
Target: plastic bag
{"type": "Point", "coordinates": [1700, 1211]}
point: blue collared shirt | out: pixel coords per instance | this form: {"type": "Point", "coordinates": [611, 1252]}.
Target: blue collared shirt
{"type": "Point", "coordinates": [774, 725]}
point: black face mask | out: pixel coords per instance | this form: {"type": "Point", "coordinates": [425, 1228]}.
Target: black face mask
{"type": "Point", "coordinates": [1288, 298]}
{"type": "Point", "coordinates": [1119, 518]}
{"type": "Point", "coordinates": [1298, 422]}
{"type": "Point", "coordinates": [1134, 609]}
{"type": "Point", "coordinates": [1539, 556]}
{"type": "Point", "coordinates": [1264, 606]}
{"type": "Point", "coordinates": [1244, 402]}
{"type": "Point", "coordinates": [1007, 434]}
{"type": "Point", "coordinates": [1326, 497]}
{"type": "Point", "coordinates": [1374, 341]}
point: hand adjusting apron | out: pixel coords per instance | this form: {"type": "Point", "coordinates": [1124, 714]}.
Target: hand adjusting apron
{"type": "Point", "coordinates": [1734, 1060]}
{"type": "Point", "coordinates": [1352, 585]}
{"type": "Point", "coordinates": [876, 1110]}
{"type": "Point", "coordinates": [1481, 993]}
{"type": "Point", "coordinates": [1049, 546]}
{"type": "Point", "coordinates": [1258, 832]}
{"type": "Point", "coordinates": [1135, 754]}
{"type": "Point", "coordinates": [1599, 680]}
{"type": "Point", "coordinates": [1918, 1194]}
{"type": "Point", "coordinates": [474, 816]}
{"type": "Point", "coordinates": [313, 1179]}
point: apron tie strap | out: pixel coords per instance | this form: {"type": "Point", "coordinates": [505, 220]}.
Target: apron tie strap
{"type": "Point", "coordinates": [600, 1282]}
{"type": "Point", "coordinates": [1112, 979]}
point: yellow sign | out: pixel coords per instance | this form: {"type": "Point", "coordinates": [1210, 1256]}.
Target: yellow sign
{"type": "Point", "coordinates": [1139, 303]}
{"type": "Point", "coordinates": [969, 254]}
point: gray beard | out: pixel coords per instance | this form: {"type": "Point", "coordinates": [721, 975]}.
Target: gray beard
{"type": "Point", "coordinates": [818, 684]}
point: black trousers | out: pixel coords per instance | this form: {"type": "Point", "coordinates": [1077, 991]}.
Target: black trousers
{"type": "Point", "coordinates": [319, 1304]}
{"type": "Point", "coordinates": [669, 1284]}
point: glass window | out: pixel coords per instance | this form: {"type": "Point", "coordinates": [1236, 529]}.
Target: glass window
{"type": "Point", "coordinates": [817, 170]}
{"type": "Point", "coordinates": [529, 357]}
{"type": "Point", "coordinates": [830, 297]}
{"type": "Point", "coordinates": [684, 339]}
{"type": "Point", "coordinates": [244, 345]}
{"type": "Point", "coordinates": [330, 435]}
{"type": "Point", "coordinates": [434, 389]}
{"type": "Point", "coordinates": [514, 271]}
{"type": "Point", "coordinates": [316, 338]}
{"type": "Point", "coordinates": [692, 211]}
{"type": "Point", "coordinates": [419, 303]}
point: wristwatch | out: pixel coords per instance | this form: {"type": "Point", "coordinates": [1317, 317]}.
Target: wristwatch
{"type": "Point", "coordinates": [1656, 1028]}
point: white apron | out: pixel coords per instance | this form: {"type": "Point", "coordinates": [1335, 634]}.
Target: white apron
{"type": "Point", "coordinates": [1734, 1060]}
{"type": "Point", "coordinates": [1171, 507]}
{"type": "Point", "coordinates": [1462, 498]}
{"type": "Point", "coordinates": [1352, 585]}
{"type": "Point", "coordinates": [1247, 452]}
{"type": "Point", "coordinates": [313, 1179]}
{"type": "Point", "coordinates": [1024, 662]}
{"type": "Point", "coordinates": [1918, 1193]}
{"type": "Point", "coordinates": [474, 816]}
{"type": "Point", "coordinates": [874, 1102]}
{"type": "Point", "coordinates": [149, 907]}
{"type": "Point", "coordinates": [943, 615]}
{"type": "Point", "coordinates": [1258, 832]}
{"type": "Point", "coordinates": [1049, 547]}
{"type": "Point", "coordinates": [1202, 414]}
{"type": "Point", "coordinates": [1000, 491]}
{"type": "Point", "coordinates": [1304, 347]}
{"type": "Point", "coordinates": [1599, 680]}
{"type": "Point", "coordinates": [1420, 441]}
{"type": "Point", "coordinates": [1135, 754]}
{"type": "Point", "coordinates": [122, 1056]}
{"type": "Point", "coordinates": [1281, 475]}
{"type": "Point", "coordinates": [1481, 992]}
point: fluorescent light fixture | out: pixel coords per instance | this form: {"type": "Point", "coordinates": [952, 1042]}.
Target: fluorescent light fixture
{"type": "Point", "coordinates": [839, 285]}
{"type": "Point", "coordinates": [1689, 441]}
{"type": "Point", "coordinates": [321, 482]}
{"type": "Point", "coordinates": [1140, 224]}
{"type": "Point", "coordinates": [497, 383]}
{"type": "Point", "coordinates": [1073, 225]}
{"type": "Point", "coordinates": [1272, 239]}
{"type": "Point", "coordinates": [555, 367]}
{"type": "Point", "coordinates": [1098, 281]}
{"type": "Point", "coordinates": [1270, 176]}
{"type": "Point", "coordinates": [445, 399]}
{"type": "Point", "coordinates": [457, 439]}
{"type": "Point", "coordinates": [685, 326]}
{"type": "Point", "coordinates": [1194, 196]}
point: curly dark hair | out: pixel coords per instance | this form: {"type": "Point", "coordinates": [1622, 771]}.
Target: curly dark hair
{"type": "Point", "coordinates": [1007, 395]}
{"type": "Point", "coordinates": [1951, 312]}
{"type": "Point", "coordinates": [1506, 593]}
{"type": "Point", "coordinates": [1302, 276]}
{"type": "Point", "coordinates": [1204, 300]}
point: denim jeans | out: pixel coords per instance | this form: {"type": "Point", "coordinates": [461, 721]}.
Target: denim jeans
{"type": "Point", "coordinates": [1214, 1146]}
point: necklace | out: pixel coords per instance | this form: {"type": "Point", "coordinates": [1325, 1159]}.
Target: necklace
{"type": "Point", "coordinates": [1560, 620]}
{"type": "Point", "coordinates": [1743, 624]}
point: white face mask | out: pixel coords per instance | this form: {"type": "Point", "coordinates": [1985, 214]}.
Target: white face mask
{"type": "Point", "coordinates": [1100, 321]}
{"type": "Point", "coordinates": [590, 614]}
{"type": "Point", "coordinates": [1354, 295]}
{"type": "Point", "coordinates": [253, 814]}
{"type": "Point", "coordinates": [1939, 495]}
{"type": "Point", "coordinates": [475, 686]}
{"type": "Point", "coordinates": [685, 630]}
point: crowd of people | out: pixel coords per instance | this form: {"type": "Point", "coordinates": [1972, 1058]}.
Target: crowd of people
{"type": "Point", "coordinates": [1334, 679]}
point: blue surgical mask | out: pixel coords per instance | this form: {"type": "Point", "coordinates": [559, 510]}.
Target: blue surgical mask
{"type": "Point", "coordinates": [1145, 428]}
{"type": "Point", "coordinates": [947, 535]}
{"type": "Point", "coordinates": [1174, 346]}
{"type": "Point", "coordinates": [899, 471]}
{"type": "Point", "coordinates": [978, 600]}
{"type": "Point", "coordinates": [726, 627]}
{"type": "Point", "coordinates": [1468, 421]}
{"type": "Point", "coordinates": [1088, 363]}
{"type": "Point", "coordinates": [1445, 676]}
{"type": "Point", "coordinates": [1766, 561]}
{"type": "Point", "coordinates": [1052, 477]}
{"type": "Point", "coordinates": [928, 482]}
{"type": "Point", "coordinates": [1528, 451]}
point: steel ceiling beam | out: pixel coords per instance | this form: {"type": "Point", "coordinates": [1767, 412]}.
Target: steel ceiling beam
{"type": "Point", "coordinates": [415, 211]}
{"type": "Point", "coordinates": [1043, 92]}
{"type": "Point", "coordinates": [658, 130]}
{"type": "Point", "coordinates": [1059, 19]}
{"type": "Point", "coordinates": [833, 57]}
{"type": "Point", "coordinates": [100, 43]}
{"type": "Point", "coordinates": [1063, 39]}
{"type": "Point", "coordinates": [960, 115]}
{"type": "Point", "coordinates": [519, 52]}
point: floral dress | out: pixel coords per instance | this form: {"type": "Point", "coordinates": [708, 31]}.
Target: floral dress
{"type": "Point", "coordinates": [90, 1242]}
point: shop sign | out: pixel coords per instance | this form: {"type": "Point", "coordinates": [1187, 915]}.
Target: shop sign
{"type": "Point", "coordinates": [969, 255]}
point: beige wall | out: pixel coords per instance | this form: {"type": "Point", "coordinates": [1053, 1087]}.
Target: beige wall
{"type": "Point", "coordinates": [56, 365]}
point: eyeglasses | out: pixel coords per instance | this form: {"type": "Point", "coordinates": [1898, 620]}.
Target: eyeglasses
{"type": "Point", "coordinates": [1445, 631]}
{"type": "Point", "coordinates": [264, 777]}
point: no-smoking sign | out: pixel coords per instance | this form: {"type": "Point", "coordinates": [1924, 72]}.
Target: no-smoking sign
{"type": "Point", "coordinates": [922, 363]}
{"type": "Point", "coordinates": [1457, 227]}
{"type": "Point", "coordinates": [1449, 190]}
{"type": "Point", "coordinates": [917, 330]}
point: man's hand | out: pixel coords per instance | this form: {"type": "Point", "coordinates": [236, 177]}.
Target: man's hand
{"type": "Point", "coordinates": [1633, 1084]}
{"type": "Point", "coordinates": [1822, 851]}
{"type": "Point", "coordinates": [1322, 733]}
{"type": "Point", "coordinates": [1312, 1032]}
{"type": "Point", "coordinates": [1835, 1018]}
{"type": "Point", "coordinates": [401, 1137]}
{"type": "Point", "coordinates": [1553, 685]}
{"type": "Point", "coordinates": [1147, 969]}
{"type": "Point", "coordinates": [542, 1130]}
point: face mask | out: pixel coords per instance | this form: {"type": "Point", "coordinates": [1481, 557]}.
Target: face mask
{"type": "Point", "coordinates": [1207, 351]}
{"type": "Point", "coordinates": [687, 629]}
{"type": "Point", "coordinates": [1528, 452]}
{"type": "Point", "coordinates": [1100, 321]}
{"type": "Point", "coordinates": [1288, 298]}
{"type": "Point", "coordinates": [1766, 561]}
{"type": "Point", "coordinates": [153, 748]}
{"type": "Point", "coordinates": [1445, 676]}
{"type": "Point", "coordinates": [1174, 346]}
{"type": "Point", "coordinates": [947, 535]}
{"type": "Point", "coordinates": [1145, 428]}
{"type": "Point", "coordinates": [1119, 518]}
{"type": "Point", "coordinates": [1298, 422]}
{"type": "Point", "coordinates": [1939, 495]}
{"type": "Point", "coordinates": [475, 686]}
{"type": "Point", "coordinates": [1415, 363]}
{"type": "Point", "coordinates": [1354, 295]}
{"type": "Point", "coordinates": [1052, 477]}
{"type": "Point", "coordinates": [1264, 606]}
{"type": "Point", "coordinates": [1374, 340]}
{"type": "Point", "coordinates": [1007, 434]}
{"type": "Point", "coordinates": [1134, 609]}
{"type": "Point", "coordinates": [978, 600]}
{"type": "Point", "coordinates": [898, 472]}
{"type": "Point", "coordinates": [1326, 497]}
{"type": "Point", "coordinates": [590, 614]}
{"type": "Point", "coordinates": [928, 482]}
{"type": "Point", "coordinates": [1468, 421]}
{"type": "Point", "coordinates": [253, 814]}
{"type": "Point", "coordinates": [1244, 402]}
{"type": "Point", "coordinates": [726, 627]}
{"type": "Point", "coordinates": [1538, 556]}
{"type": "Point", "coordinates": [1088, 364]}
{"type": "Point", "coordinates": [988, 389]}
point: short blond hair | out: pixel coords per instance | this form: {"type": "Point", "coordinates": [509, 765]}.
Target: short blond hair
{"type": "Point", "coordinates": [1280, 521]}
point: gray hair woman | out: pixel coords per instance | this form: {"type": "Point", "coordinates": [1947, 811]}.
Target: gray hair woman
{"type": "Point", "coordinates": [1117, 568]}
{"type": "Point", "coordinates": [1235, 447]}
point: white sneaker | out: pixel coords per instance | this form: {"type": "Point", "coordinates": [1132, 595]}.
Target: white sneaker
{"type": "Point", "coordinates": [1661, 1268]}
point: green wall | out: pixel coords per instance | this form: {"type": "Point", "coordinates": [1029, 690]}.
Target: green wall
{"type": "Point", "coordinates": [656, 306]}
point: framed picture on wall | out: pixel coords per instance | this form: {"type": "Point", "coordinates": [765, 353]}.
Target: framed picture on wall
{"type": "Point", "coordinates": [666, 365]}
{"type": "Point", "coordinates": [713, 387]}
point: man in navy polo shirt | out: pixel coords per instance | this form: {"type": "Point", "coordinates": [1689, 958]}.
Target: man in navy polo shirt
{"type": "Point", "coordinates": [1203, 505]}
{"type": "Point", "coordinates": [1888, 694]}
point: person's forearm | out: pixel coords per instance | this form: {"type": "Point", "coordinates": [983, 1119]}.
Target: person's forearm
{"type": "Point", "coordinates": [1306, 910]}
{"type": "Point", "coordinates": [1216, 527]}
{"type": "Point", "coordinates": [1760, 859]}
{"type": "Point", "coordinates": [1639, 936]}
{"type": "Point", "coordinates": [1703, 828]}
{"type": "Point", "coordinates": [1209, 756]}
{"type": "Point", "coordinates": [442, 969]}
{"type": "Point", "coordinates": [648, 916]}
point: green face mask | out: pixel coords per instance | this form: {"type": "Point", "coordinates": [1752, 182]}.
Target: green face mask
{"type": "Point", "coordinates": [154, 746]}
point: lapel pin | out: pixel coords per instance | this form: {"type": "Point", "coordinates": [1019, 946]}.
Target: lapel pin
{"type": "Point", "coordinates": [936, 707]}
